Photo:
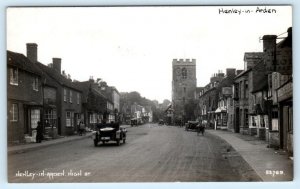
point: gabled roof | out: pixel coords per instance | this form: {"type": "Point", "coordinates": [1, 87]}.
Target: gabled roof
{"type": "Point", "coordinates": [22, 62]}
{"type": "Point", "coordinates": [55, 75]}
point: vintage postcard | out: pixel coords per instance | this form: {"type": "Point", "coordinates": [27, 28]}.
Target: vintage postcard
{"type": "Point", "coordinates": [149, 94]}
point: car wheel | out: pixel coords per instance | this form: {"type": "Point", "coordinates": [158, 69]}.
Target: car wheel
{"type": "Point", "coordinates": [95, 142]}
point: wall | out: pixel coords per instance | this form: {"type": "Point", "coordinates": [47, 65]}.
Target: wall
{"type": "Point", "coordinates": [21, 94]}
{"type": "Point", "coordinates": [68, 106]}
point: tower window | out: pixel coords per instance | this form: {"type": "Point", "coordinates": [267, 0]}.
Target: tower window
{"type": "Point", "coordinates": [184, 73]}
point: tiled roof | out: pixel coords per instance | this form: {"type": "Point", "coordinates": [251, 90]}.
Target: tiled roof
{"type": "Point", "coordinates": [22, 62]}
{"type": "Point", "coordinates": [58, 77]}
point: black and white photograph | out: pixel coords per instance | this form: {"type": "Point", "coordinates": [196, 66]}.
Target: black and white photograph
{"type": "Point", "coordinates": [149, 94]}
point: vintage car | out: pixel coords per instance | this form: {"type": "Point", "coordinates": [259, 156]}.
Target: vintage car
{"type": "Point", "coordinates": [109, 132]}
{"type": "Point", "coordinates": [133, 122]}
{"type": "Point", "coordinates": [191, 125]}
{"type": "Point", "coordinates": [161, 122]}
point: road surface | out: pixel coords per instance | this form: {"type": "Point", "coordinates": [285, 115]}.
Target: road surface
{"type": "Point", "coordinates": [152, 153]}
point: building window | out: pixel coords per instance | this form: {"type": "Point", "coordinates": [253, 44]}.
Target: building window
{"type": "Point", "coordinates": [69, 119]}
{"type": "Point", "coordinates": [65, 95]}
{"type": "Point", "coordinates": [71, 96]}
{"type": "Point", "coordinates": [240, 89]}
{"type": "Point", "coordinates": [78, 98]}
{"type": "Point", "coordinates": [246, 89]}
{"type": "Point", "coordinates": [93, 118]}
{"type": "Point", "coordinates": [14, 113]}
{"type": "Point", "coordinates": [236, 91]}
{"type": "Point", "coordinates": [184, 73]}
{"type": "Point", "coordinates": [35, 117]}
{"type": "Point", "coordinates": [50, 117]}
{"type": "Point", "coordinates": [253, 121]}
{"type": "Point", "coordinates": [35, 84]}
{"type": "Point", "coordinates": [13, 76]}
{"type": "Point", "coordinates": [78, 118]}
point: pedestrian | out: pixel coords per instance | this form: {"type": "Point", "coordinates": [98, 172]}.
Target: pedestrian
{"type": "Point", "coordinates": [81, 128]}
{"type": "Point", "coordinates": [39, 132]}
{"type": "Point", "coordinates": [198, 129]}
{"type": "Point", "coordinates": [202, 129]}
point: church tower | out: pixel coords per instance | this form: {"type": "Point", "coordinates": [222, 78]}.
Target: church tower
{"type": "Point", "coordinates": [184, 84]}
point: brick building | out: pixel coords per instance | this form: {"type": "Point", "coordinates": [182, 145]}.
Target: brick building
{"type": "Point", "coordinates": [224, 113]}
{"type": "Point", "coordinates": [243, 86]}
{"type": "Point", "coordinates": [24, 97]}
{"type": "Point", "coordinates": [62, 98]}
{"type": "Point", "coordinates": [95, 106]}
{"type": "Point", "coordinates": [278, 61]}
{"type": "Point", "coordinates": [208, 100]}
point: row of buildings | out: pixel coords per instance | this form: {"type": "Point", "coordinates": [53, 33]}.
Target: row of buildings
{"type": "Point", "coordinates": [136, 114]}
{"type": "Point", "coordinates": [44, 93]}
{"type": "Point", "coordinates": [256, 101]}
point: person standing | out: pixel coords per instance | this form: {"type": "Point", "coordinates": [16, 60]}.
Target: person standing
{"type": "Point", "coordinates": [39, 132]}
{"type": "Point", "coordinates": [81, 128]}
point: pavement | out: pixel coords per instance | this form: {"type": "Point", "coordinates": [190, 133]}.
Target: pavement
{"type": "Point", "coordinates": [268, 163]}
{"type": "Point", "coordinates": [22, 148]}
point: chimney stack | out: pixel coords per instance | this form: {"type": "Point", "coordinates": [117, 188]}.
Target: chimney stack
{"type": "Point", "coordinates": [57, 64]}
{"type": "Point", "coordinates": [230, 72]}
{"type": "Point", "coordinates": [269, 45]}
{"type": "Point", "coordinates": [32, 52]}
{"type": "Point", "coordinates": [269, 42]}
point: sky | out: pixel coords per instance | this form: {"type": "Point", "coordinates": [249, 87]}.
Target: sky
{"type": "Point", "coordinates": [132, 48]}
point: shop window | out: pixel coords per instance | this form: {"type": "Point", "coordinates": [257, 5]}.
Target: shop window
{"type": "Point", "coordinates": [35, 117]}
{"type": "Point", "coordinates": [93, 118]}
{"type": "Point", "coordinates": [253, 121]}
{"type": "Point", "coordinates": [50, 117]}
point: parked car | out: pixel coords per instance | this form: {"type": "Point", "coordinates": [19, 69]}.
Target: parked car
{"type": "Point", "coordinates": [161, 122]}
{"type": "Point", "coordinates": [109, 132]}
{"type": "Point", "coordinates": [191, 125]}
{"type": "Point", "coordinates": [133, 122]}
